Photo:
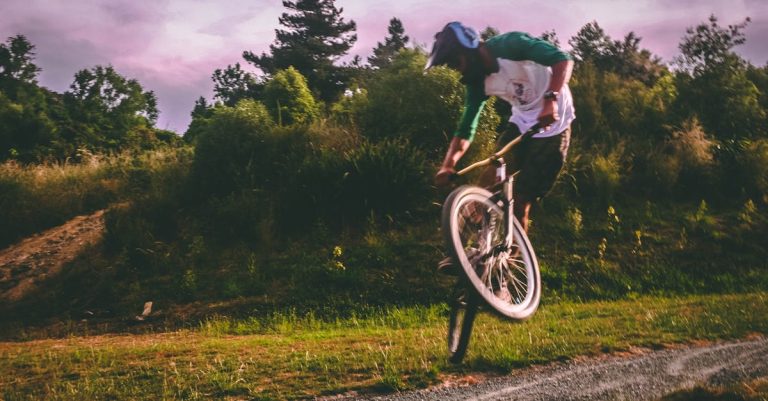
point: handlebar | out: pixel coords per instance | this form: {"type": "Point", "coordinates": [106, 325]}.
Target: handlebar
{"type": "Point", "coordinates": [496, 156]}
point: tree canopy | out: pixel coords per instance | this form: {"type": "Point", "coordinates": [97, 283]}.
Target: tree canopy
{"type": "Point", "coordinates": [315, 36]}
{"type": "Point", "coordinates": [396, 41]}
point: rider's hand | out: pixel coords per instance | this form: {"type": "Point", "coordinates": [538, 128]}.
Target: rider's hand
{"type": "Point", "coordinates": [548, 113]}
{"type": "Point", "coordinates": [443, 176]}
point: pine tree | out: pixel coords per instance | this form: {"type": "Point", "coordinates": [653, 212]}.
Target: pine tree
{"type": "Point", "coordinates": [396, 41]}
{"type": "Point", "coordinates": [315, 37]}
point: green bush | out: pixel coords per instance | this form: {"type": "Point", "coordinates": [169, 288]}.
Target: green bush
{"type": "Point", "coordinates": [754, 169]}
{"type": "Point", "coordinates": [388, 178]}
{"type": "Point", "coordinates": [422, 108]}
{"type": "Point", "coordinates": [289, 99]}
{"type": "Point", "coordinates": [683, 164]}
{"type": "Point", "coordinates": [599, 175]}
{"type": "Point", "coordinates": [231, 152]}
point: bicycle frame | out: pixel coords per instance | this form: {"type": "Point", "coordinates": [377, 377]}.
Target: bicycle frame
{"type": "Point", "coordinates": [507, 183]}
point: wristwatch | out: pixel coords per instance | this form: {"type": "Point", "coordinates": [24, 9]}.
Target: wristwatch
{"type": "Point", "coordinates": [551, 95]}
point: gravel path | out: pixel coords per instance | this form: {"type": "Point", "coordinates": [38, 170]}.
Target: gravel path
{"type": "Point", "coordinates": [647, 376]}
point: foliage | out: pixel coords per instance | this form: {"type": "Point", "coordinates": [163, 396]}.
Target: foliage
{"type": "Point", "coordinates": [315, 37]}
{"type": "Point", "coordinates": [230, 153]}
{"type": "Point", "coordinates": [488, 33]}
{"type": "Point", "coordinates": [289, 99]}
{"type": "Point", "coordinates": [622, 57]}
{"type": "Point", "coordinates": [551, 37]}
{"type": "Point", "coordinates": [714, 85]}
{"type": "Point", "coordinates": [36, 197]}
{"type": "Point", "coordinates": [422, 108]}
{"type": "Point", "coordinates": [17, 63]}
{"type": "Point", "coordinates": [103, 111]}
{"type": "Point", "coordinates": [350, 107]}
{"type": "Point", "coordinates": [110, 106]}
{"type": "Point", "coordinates": [233, 84]}
{"type": "Point", "coordinates": [384, 53]}
{"type": "Point", "coordinates": [708, 46]}
{"type": "Point", "coordinates": [683, 164]}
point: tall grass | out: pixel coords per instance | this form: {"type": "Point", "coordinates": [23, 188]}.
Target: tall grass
{"type": "Point", "coordinates": [36, 197]}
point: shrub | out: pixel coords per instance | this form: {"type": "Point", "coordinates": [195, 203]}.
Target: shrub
{"type": "Point", "coordinates": [599, 175]}
{"type": "Point", "coordinates": [350, 107]}
{"type": "Point", "coordinates": [387, 178]}
{"type": "Point", "coordinates": [230, 152]}
{"type": "Point", "coordinates": [289, 99]}
{"type": "Point", "coordinates": [754, 169]}
{"type": "Point", "coordinates": [421, 108]}
{"type": "Point", "coordinates": [684, 163]}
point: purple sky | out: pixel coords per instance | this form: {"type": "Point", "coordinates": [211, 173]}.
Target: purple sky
{"type": "Point", "coordinates": [173, 46]}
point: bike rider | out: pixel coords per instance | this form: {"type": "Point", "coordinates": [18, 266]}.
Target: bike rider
{"type": "Point", "coordinates": [532, 75]}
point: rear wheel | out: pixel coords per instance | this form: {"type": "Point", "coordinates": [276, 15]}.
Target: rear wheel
{"type": "Point", "coordinates": [464, 304]}
{"type": "Point", "coordinates": [508, 280]}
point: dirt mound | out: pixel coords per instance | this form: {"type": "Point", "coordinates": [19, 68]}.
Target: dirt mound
{"type": "Point", "coordinates": [42, 256]}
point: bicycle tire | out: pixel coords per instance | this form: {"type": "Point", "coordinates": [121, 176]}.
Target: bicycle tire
{"type": "Point", "coordinates": [460, 322]}
{"type": "Point", "coordinates": [520, 266]}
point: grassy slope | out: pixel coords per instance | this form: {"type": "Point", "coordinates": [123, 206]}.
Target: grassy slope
{"type": "Point", "coordinates": [288, 357]}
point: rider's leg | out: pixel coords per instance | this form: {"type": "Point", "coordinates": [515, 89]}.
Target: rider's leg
{"type": "Point", "coordinates": [522, 210]}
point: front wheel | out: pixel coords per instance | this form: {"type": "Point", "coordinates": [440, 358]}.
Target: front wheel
{"type": "Point", "coordinates": [508, 280]}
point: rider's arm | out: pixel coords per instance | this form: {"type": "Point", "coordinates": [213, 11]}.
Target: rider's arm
{"type": "Point", "coordinates": [456, 149]}
{"type": "Point", "coordinates": [462, 138]}
{"type": "Point", "coordinates": [561, 73]}
{"type": "Point", "coordinates": [473, 107]}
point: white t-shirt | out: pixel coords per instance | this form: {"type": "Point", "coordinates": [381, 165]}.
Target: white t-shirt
{"type": "Point", "coordinates": [523, 84]}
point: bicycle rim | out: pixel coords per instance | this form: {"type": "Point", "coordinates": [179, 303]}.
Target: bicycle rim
{"type": "Point", "coordinates": [508, 281]}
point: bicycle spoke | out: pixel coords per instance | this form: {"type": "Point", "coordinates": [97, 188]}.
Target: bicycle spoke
{"type": "Point", "coordinates": [506, 279]}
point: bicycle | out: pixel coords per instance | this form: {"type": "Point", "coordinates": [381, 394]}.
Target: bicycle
{"type": "Point", "coordinates": [497, 260]}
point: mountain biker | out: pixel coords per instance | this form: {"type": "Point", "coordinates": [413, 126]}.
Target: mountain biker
{"type": "Point", "coordinates": [532, 75]}
{"type": "Point", "coordinates": [529, 73]}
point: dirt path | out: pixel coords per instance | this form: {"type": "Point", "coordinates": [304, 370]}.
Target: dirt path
{"type": "Point", "coordinates": [37, 258]}
{"type": "Point", "coordinates": [647, 376]}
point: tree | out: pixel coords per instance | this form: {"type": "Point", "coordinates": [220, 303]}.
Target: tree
{"type": "Point", "coordinates": [624, 57]}
{"type": "Point", "coordinates": [551, 37]}
{"type": "Point", "coordinates": [289, 99]}
{"type": "Point", "coordinates": [396, 41]}
{"type": "Point", "coordinates": [714, 83]}
{"type": "Point", "coordinates": [107, 107]}
{"type": "Point", "coordinates": [16, 62]}
{"type": "Point", "coordinates": [590, 43]}
{"type": "Point", "coordinates": [424, 109]}
{"type": "Point", "coordinates": [315, 37]}
{"type": "Point", "coordinates": [233, 84]}
{"type": "Point", "coordinates": [201, 115]}
{"type": "Point", "coordinates": [27, 131]}
{"type": "Point", "coordinates": [708, 46]}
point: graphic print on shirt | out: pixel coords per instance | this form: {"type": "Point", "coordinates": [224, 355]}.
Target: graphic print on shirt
{"type": "Point", "coordinates": [520, 91]}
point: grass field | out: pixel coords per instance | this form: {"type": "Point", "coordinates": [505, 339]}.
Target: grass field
{"type": "Point", "coordinates": [285, 356]}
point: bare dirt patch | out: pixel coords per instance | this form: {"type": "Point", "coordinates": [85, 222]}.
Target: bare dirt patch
{"type": "Point", "coordinates": [33, 260]}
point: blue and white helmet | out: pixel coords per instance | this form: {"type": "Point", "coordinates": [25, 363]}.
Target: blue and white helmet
{"type": "Point", "coordinates": [454, 37]}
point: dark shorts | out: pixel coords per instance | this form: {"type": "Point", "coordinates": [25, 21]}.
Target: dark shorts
{"type": "Point", "coordinates": [539, 161]}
